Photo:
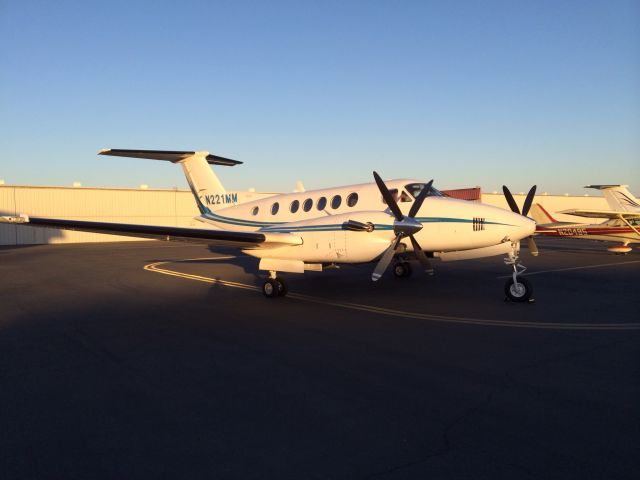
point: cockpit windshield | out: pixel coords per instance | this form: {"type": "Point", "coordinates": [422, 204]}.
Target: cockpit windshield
{"type": "Point", "coordinates": [415, 188]}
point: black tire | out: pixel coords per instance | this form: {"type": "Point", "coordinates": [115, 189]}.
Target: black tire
{"type": "Point", "coordinates": [271, 288]}
{"type": "Point", "coordinates": [283, 288]}
{"type": "Point", "coordinates": [400, 269]}
{"type": "Point", "coordinates": [520, 293]}
{"type": "Point", "coordinates": [408, 271]}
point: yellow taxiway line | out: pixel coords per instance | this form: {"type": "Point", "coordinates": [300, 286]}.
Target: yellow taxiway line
{"type": "Point", "coordinates": [156, 267]}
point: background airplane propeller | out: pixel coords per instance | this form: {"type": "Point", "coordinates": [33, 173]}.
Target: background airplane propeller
{"type": "Point", "coordinates": [533, 248]}
{"type": "Point", "coordinates": [403, 227]}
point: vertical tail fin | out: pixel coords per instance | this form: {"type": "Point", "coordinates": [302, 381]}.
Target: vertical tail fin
{"type": "Point", "coordinates": [207, 189]}
{"type": "Point", "coordinates": [203, 182]}
{"type": "Point", "coordinates": [619, 198]}
{"type": "Point", "coordinates": [540, 215]}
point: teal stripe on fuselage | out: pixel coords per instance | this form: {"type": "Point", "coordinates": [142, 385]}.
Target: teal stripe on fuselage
{"type": "Point", "coordinates": [239, 221]}
{"type": "Point", "coordinates": [455, 220]}
{"type": "Point", "coordinates": [274, 226]}
{"type": "Point", "coordinates": [319, 228]}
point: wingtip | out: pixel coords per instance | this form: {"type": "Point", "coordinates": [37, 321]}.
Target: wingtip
{"type": "Point", "coordinates": [22, 218]}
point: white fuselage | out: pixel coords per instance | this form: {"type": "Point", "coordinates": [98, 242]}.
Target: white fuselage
{"type": "Point", "coordinates": [448, 224]}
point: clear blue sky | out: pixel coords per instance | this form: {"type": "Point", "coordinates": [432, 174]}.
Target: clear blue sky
{"type": "Point", "coordinates": [468, 93]}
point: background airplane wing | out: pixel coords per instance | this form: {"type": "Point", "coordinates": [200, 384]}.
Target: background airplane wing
{"type": "Point", "coordinates": [184, 234]}
{"type": "Point", "coordinates": [601, 214]}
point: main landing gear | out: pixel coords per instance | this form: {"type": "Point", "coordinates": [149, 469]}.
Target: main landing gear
{"type": "Point", "coordinates": [274, 286]}
{"type": "Point", "coordinates": [402, 269]}
{"type": "Point", "coordinates": [517, 289]}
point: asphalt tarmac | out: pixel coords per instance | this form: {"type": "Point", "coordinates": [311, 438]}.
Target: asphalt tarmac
{"type": "Point", "coordinates": [157, 360]}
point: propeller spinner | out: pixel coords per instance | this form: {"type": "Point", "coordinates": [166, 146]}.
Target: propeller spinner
{"type": "Point", "coordinates": [402, 227]}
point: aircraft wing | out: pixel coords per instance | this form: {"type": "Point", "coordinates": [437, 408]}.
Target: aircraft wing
{"type": "Point", "coordinates": [181, 234]}
{"type": "Point", "coordinates": [601, 213]}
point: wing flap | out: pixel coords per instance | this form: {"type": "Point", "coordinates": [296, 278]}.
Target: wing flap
{"type": "Point", "coordinates": [183, 234]}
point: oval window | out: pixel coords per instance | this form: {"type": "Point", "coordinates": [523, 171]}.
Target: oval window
{"type": "Point", "coordinates": [308, 203]}
{"type": "Point", "coordinates": [274, 208]}
{"type": "Point", "coordinates": [322, 203]}
{"type": "Point", "coordinates": [255, 210]}
{"type": "Point", "coordinates": [295, 205]}
{"type": "Point", "coordinates": [352, 199]}
{"type": "Point", "coordinates": [336, 201]}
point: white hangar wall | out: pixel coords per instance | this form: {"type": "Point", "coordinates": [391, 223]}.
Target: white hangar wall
{"type": "Point", "coordinates": [149, 207]}
{"type": "Point", "coordinates": [160, 207]}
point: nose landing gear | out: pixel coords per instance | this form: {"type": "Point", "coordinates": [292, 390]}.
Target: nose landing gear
{"type": "Point", "coordinates": [517, 289]}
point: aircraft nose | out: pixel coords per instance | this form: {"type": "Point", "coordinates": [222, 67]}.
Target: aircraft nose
{"type": "Point", "coordinates": [524, 226]}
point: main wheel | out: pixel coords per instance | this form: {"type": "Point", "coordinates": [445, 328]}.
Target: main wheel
{"type": "Point", "coordinates": [399, 270]}
{"type": "Point", "coordinates": [271, 288]}
{"type": "Point", "coordinates": [402, 269]}
{"type": "Point", "coordinates": [283, 288]}
{"type": "Point", "coordinates": [518, 292]}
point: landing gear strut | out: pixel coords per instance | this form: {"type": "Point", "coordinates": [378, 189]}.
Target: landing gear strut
{"type": "Point", "coordinates": [274, 286]}
{"type": "Point", "coordinates": [517, 289]}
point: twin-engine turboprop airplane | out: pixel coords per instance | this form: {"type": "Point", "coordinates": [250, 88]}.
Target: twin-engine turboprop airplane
{"type": "Point", "coordinates": [623, 224]}
{"type": "Point", "coordinates": [301, 231]}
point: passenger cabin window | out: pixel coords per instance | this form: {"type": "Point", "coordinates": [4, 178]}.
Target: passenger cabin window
{"type": "Point", "coordinates": [254, 211]}
{"type": "Point", "coordinates": [295, 205]}
{"type": "Point", "coordinates": [322, 203]}
{"type": "Point", "coordinates": [352, 199]}
{"type": "Point", "coordinates": [336, 201]}
{"type": "Point", "coordinates": [308, 203]}
{"type": "Point", "coordinates": [274, 208]}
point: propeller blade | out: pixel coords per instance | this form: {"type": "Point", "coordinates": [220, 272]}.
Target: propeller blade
{"type": "Point", "coordinates": [418, 201]}
{"type": "Point", "coordinates": [388, 198]}
{"type": "Point", "coordinates": [533, 248]}
{"type": "Point", "coordinates": [528, 201]}
{"type": "Point", "coordinates": [386, 259]}
{"type": "Point", "coordinates": [512, 203]}
{"type": "Point", "coordinates": [424, 261]}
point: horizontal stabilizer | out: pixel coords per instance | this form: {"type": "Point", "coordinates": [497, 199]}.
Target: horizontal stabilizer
{"type": "Point", "coordinates": [174, 156]}
{"type": "Point", "coordinates": [604, 187]}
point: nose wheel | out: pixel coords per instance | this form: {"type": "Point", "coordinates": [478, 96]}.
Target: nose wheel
{"type": "Point", "coordinates": [516, 288]}
{"type": "Point", "coordinates": [274, 286]}
{"type": "Point", "coordinates": [519, 291]}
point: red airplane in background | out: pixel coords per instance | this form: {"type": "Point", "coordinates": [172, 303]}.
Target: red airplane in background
{"type": "Point", "coordinates": [622, 224]}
